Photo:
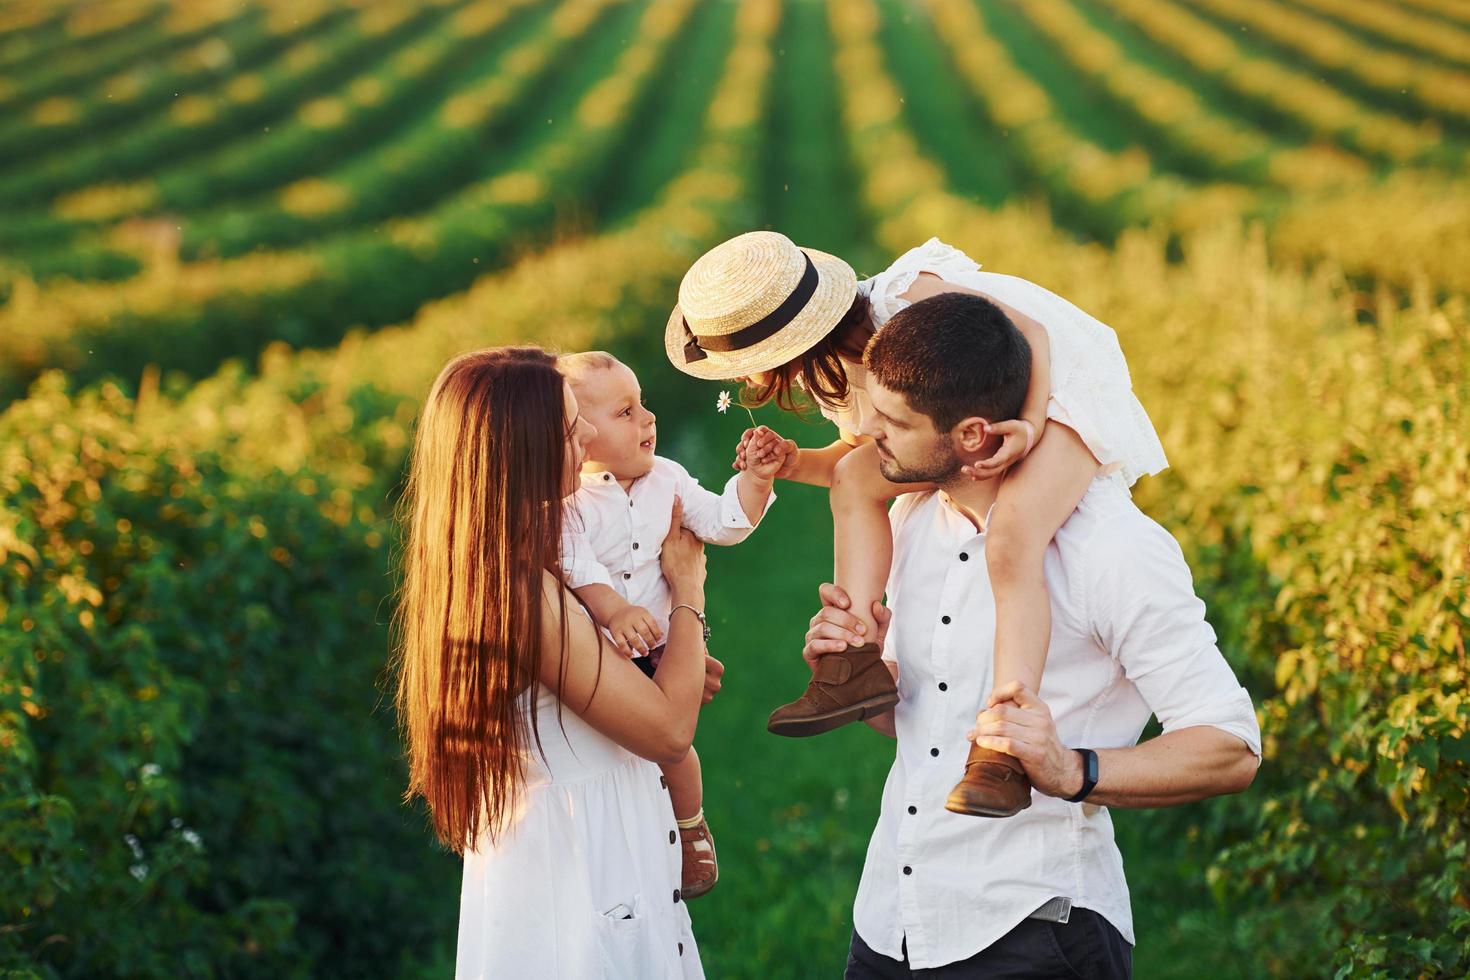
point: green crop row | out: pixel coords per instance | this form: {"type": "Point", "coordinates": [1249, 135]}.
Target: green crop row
{"type": "Point", "coordinates": [197, 121]}
{"type": "Point", "coordinates": [231, 48]}
{"type": "Point", "coordinates": [200, 312]}
{"type": "Point", "coordinates": [324, 130]}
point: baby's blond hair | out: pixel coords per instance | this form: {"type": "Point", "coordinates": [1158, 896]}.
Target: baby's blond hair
{"type": "Point", "coordinates": [576, 367]}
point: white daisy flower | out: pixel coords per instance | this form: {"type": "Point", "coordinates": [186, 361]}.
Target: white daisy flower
{"type": "Point", "coordinates": [722, 404]}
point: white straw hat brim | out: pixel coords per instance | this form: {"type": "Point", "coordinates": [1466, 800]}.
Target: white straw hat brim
{"type": "Point", "coordinates": [836, 288]}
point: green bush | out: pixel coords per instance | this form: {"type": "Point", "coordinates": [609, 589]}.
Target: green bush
{"type": "Point", "coordinates": [200, 776]}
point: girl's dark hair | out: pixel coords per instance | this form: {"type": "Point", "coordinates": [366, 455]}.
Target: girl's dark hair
{"type": "Point", "coordinates": [818, 372]}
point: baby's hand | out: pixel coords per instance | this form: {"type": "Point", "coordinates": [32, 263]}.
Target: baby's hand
{"type": "Point", "coordinates": [634, 630]}
{"type": "Point", "coordinates": [1018, 437]}
{"type": "Point", "coordinates": [765, 454]}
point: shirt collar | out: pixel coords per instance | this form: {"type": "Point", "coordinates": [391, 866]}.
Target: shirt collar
{"type": "Point", "coordinates": [965, 527]}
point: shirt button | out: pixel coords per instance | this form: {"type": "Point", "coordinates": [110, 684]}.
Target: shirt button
{"type": "Point", "coordinates": [964, 556]}
{"type": "Point", "coordinates": [944, 620]}
{"type": "Point", "coordinates": [913, 810]}
{"type": "Point", "coordinates": [681, 949]}
{"type": "Point", "coordinates": [934, 752]}
{"type": "Point", "coordinates": [635, 545]}
{"type": "Point", "coordinates": [676, 895]}
{"type": "Point", "coordinates": [663, 781]}
{"type": "Point", "coordinates": [907, 870]}
{"type": "Point", "coordinates": [627, 575]}
{"type": "Point", "coordinates": [943, 686]}
{"type": "Point", "coordinates": [672, 837]}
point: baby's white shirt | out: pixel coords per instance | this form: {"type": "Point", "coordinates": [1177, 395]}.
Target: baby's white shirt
{"type": "Point", "coordinates": [615, 537]}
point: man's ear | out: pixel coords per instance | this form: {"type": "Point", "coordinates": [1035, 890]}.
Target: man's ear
{"type": "Point", "coordinates": [969, 434]}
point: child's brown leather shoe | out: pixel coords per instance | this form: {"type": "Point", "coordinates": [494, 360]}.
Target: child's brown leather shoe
{"type": "Point", "coordinates": [995, 785]}
{"type": "Point", "coordinates": [845, 687]}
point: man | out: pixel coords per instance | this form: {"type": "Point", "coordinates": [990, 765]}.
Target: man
{"type": "Point", "coordinates": [1042, 893]}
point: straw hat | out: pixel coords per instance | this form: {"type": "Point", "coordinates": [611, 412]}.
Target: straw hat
{"type": "Point", "coordinates": [753, 303]}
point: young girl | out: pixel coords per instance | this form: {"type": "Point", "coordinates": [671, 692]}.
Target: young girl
{"type": "Point", "coordinates": [781, 318]}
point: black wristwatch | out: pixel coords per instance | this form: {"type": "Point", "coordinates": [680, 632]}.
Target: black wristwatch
{"type": "Point", "coordinates": [1089, 775]}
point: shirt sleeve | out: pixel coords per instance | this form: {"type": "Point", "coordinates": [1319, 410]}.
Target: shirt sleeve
{"type": "Point", "coordinates": [579, 564]}
{"type": "Point", "coordinates": [716, 518]}
{"type": "Point", "coordinates": [1142, 605]}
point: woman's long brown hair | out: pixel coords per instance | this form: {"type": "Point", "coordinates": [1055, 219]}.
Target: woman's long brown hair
{"type": "Point", "coordinates": [483, 512]}
{"type": "Point", "coordinates": [818, 372]}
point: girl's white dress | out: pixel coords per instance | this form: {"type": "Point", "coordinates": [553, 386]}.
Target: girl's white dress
{"type": "Point", "coordinates": [1091, 390]}
{"type": "Point", "coordinates": [583, 885]}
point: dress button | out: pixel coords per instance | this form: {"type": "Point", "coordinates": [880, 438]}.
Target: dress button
{"type": "Point", "coordinates": [663, 781]}
{"type": "Point", "coordinates": [681, 949]}
{"type": "Point", "coordinates": [676, 895]}
{"type": "Point", "coordinates": [934, 752]}
{"type": "Point", "coordinates": [943, 686]}
{"type": "Point", "coordinates": [964, 556]}
{"type": "Point", "coordinates": [913, 810]}
{"type": "Point", "coordinates": [944, 620]}
{"type": "Point", "coordinates": [627, 575]}
{"type": "Point", "coordinates": [673, 837]}
{"type": "Point", "coordinates": [635, 545]}
{"type": "Point", "coordinates": [907, 870]}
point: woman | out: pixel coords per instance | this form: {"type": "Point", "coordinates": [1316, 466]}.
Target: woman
{"type": "Point", "coordinates": [535, 744]}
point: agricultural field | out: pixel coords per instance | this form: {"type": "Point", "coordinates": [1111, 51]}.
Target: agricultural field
{"type": "Point", "coordinates": [239, 238]}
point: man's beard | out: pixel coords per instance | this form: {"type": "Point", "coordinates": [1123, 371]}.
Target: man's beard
{"type": "Point", "coordinates": [941, 466]}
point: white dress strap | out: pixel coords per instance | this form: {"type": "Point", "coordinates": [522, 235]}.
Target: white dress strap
{"type": "Point", "coordinates": [934, 256]}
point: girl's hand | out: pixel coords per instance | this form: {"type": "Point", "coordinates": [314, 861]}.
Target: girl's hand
{"type": "Point", "coordinates": [765, 454]}
{"type": "Point", "coordinates": [1018, 438]}
{"type": "Point", "coordinates": [683, 556]}
{"type": "Point", "coordinates": [634, 630]}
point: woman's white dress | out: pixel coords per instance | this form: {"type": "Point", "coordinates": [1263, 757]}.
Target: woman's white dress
{"type": "Point", "coordinates": [1091, 390]}
{"type": "Point", "coordinates": [583, 884]}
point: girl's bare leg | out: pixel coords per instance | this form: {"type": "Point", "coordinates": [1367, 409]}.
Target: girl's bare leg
{"type": "Point", "coordinates": [686, 786]}
{"type": "Point", "coordinates": [1035, 500]}
{"type": "Point", "coordinates": [862, 536]}
{"type": "Point", "coordinates": [847, 687]}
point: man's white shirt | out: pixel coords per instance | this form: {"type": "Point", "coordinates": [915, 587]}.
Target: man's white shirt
{"type": "Point", "coordinates": [1129, 640]}
{"type": "Point", "coordinates": [615, 537]}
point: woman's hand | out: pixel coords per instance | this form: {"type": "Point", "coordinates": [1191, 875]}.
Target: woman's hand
{"type": "Point", "coordinates": [765, 452]}
{"type": "Point", "coordinates": [714, 671]}
{"type": "Point", "coordinates": [683, 558]}
{"type": "Point", "coordinates": [1018, 438]}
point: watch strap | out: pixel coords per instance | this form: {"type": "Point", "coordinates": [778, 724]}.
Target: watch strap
{"type": "Point", "coordinates": [1089, 775]}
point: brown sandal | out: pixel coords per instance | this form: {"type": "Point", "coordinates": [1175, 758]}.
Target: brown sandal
{"type": "Point", "coordinates": [701, 870]}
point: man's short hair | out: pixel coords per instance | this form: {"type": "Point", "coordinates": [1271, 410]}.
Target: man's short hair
{"type": "Point", "coordinates": [953, 356]}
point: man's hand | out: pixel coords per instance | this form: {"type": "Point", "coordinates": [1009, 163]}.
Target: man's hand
{"type": "Point", "coordinates": [714, 671]}
{"type": "Point", "coordinates": [634, 630]}
{"type": "Point", "coordinates": [834, 629]}
{"type": "Point", "coordinates": [1019, 723]}
{"type": "Point", "coordinates": [765, 454]}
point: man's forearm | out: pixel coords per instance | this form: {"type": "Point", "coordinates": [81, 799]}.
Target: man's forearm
{"type": "Point", "coordinates": [1178, 767]}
